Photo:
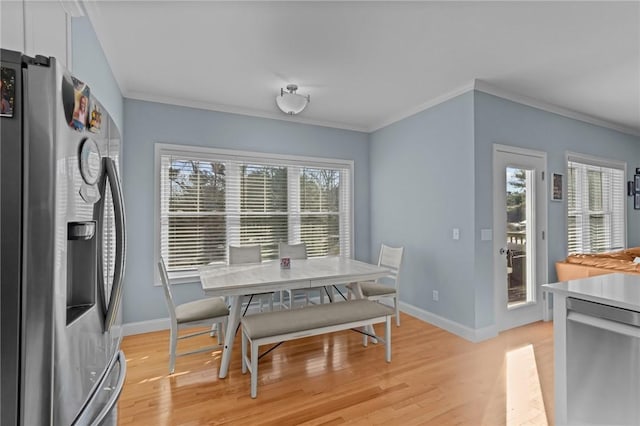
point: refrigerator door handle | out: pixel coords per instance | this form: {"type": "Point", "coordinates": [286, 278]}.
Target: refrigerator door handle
{"type": "Point", "coordinates": [121, 242]}
{"type": "Point", "coordinates": [86, 417]}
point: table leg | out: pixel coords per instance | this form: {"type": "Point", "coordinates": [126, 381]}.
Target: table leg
{"type": "Point", "coordinates": [232, 325]}
{"type": "Point", "coordinates": [357, 291]}
{"type": "Point", "coordinates": [329, 290]}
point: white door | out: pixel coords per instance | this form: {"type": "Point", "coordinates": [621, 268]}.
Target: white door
{"type": "Point", "coordinates": [519, 243]}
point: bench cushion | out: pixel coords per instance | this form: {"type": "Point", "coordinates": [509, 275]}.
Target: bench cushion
{"type": "Point", "coordinates": [312, 317]}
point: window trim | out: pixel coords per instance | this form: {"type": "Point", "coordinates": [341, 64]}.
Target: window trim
{"type": "Point", "coordinates": [162, 148]}
{"type": "Point", "coordinates": [598, 162]}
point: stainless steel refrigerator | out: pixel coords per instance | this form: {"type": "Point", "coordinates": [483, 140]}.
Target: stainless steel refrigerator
{"type": "Point", "coordinates": [62, 250]}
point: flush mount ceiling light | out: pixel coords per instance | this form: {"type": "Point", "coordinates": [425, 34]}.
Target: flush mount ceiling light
{"type": "Point", "coordinates": [290, 102]}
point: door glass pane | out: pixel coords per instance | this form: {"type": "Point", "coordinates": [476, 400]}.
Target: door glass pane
{"type": "Point", "coordinates": [519, 220]}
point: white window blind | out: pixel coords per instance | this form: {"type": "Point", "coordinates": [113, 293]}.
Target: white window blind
{"type": "Point", "coordinates": [210, 200]}
{"type": "Point", "coordinates": [596, 205]}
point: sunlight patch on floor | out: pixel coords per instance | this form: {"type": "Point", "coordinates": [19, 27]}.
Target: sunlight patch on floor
{"type": "Point", "coordinates": [524, 394]}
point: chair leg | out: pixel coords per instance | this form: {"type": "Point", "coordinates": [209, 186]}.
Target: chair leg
{"type": "Point", "coordinates": [271, 303]}
{"type": "Point", "coordinates": [397, 306]}
{"type": "Point", "coordinates": [214, 330]}
{"type": "Point", "coordinates": [321, 295]}
{"type": "Point", "coordinates": [387, 338]}
{"type": "Point", "coordinates": [365, 338]}
{"type": "Point", "coordinates": [220, 326]}
{"type": "Point", "coordinates": [254, 370]}
{"type": "Point", "coordinates": [173, 344]}
{"type": "Point", "coordinates": [244, 353]}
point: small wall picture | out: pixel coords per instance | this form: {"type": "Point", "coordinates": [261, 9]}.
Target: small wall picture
{"type": "Point", "coordinates": [636, 202]}
{"type": "Point", "coordinates": [7, 91]}
{"type": "Point", "coordinates": [556, 187]}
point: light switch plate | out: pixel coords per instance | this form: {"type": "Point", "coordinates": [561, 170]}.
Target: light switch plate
{"type": "Point", "coordinates": [456, 233]}
{"type": "Point", "coordinates": [486, 235]}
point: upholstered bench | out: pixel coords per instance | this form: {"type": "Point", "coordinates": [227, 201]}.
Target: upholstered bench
{"type": "Point", "coordinates": [280, 326]}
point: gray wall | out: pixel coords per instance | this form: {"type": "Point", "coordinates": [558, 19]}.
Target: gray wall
{"type": "Point", "coordinates": [415, 181]}
{"type": "Point", "coordinates": [146, 123]}
{"type": "Point", "coordinates": [432, 172]}
{"type": "Point", "coordinates": [422, 186]}
{"type": "Point", "coordinates": [501, 121]}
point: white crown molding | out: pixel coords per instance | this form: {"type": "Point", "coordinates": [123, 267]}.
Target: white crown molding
{"type": "Point", "coordinates": [424, 106]}
{"type": "Point", "coordinates": [483, 86]}
{"type": "Point", "coordinates": [241, 111]}
{"type": "Point", "coordinates": [90, 8]}
{"type": "Point", "coordinates": [474, 335]}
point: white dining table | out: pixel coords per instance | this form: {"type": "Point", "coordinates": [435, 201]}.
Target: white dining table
{"type": "Point", "coordinates": [237, 281]}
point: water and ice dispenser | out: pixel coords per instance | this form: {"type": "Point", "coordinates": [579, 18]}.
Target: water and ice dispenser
{"type": "Point", "coordinates": [81, 268]}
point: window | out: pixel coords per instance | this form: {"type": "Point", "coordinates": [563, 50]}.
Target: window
{"type": "Point", "coordinates": [596, 205]}
{"type": "Point", "coordinates": [209, 199]}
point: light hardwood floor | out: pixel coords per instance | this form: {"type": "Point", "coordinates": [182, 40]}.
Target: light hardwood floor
{"type": "Point", "coordinates": [434, 378]}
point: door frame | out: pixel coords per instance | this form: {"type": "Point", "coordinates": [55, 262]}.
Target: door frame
{"type": "Point", "coordinates": [542, 259]}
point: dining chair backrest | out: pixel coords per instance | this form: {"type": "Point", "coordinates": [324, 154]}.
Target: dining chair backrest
{"type": "Point", "coordinates": [391, 258]}
{"type": "Point", "coordinates": [293, 251]}
{"type": "Point", "coordinates": [245, 254]}
{"type": "Point", "coordinates": [168, 297]}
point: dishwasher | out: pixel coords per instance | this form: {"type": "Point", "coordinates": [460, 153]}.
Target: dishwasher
{"type": "Point", "coordinates": [603, 364]}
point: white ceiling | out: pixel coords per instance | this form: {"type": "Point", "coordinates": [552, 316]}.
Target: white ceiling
{"type": "Point", "coordinates": [367, 64]}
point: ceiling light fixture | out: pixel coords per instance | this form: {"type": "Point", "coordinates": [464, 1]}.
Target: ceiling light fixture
{"type": "Point", "coordinates": [290, 102]}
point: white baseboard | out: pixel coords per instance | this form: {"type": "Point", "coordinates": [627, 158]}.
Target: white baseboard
{"type": "Point", "coordinates": [160, 324]}
{"type": "Point", "coordinates": [145, 326]}
{"type": "Point", "coordinates": [471, 334]}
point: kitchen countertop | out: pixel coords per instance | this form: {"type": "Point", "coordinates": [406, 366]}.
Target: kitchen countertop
{"type": "Point", "coordinates": [621, 290]}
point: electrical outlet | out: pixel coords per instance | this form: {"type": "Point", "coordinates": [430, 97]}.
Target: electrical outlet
{"type": "Point", "coordinates": [435, 295]}
{"type": "Point", "coordinates": [456, 233]}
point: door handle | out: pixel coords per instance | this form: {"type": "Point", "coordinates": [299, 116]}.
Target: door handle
{"type": "Point", "coordinates": [111, 302]}
{"type": "Point", "coordinates": [121, 241]}
{"type": "Point", "coordinates": [503, 250]}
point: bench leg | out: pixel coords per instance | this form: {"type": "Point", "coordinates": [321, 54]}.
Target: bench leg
{"type": "Point", "coordinates": [254, 370]}
{"type": "Point", "coordinates": [387, 338]}
{"type": "Point", "coordinates": [365, 338]}
{"type": "Point", "coordinates": [244, 353]}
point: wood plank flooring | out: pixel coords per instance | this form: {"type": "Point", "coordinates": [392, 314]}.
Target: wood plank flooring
{"type": "Point", "coordinates": [434, 378]}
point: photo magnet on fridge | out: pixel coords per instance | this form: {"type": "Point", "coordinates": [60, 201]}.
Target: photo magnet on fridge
{"type": "Point", "coordinates": [7, 91]}
{"type": "Point", "coordinates": [81, 105]}
{"type": "Point", "coordinates": [95, 118]}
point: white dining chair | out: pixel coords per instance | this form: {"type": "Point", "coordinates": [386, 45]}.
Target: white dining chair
{"type": "Point", "coordinates": [390, 258]}
{"type": "Point", "coordinates": [239, 255]}
{"type": "Point", "coordinates": [211, 311]}
{"type": "Point", "coordinates": [296, 252]}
